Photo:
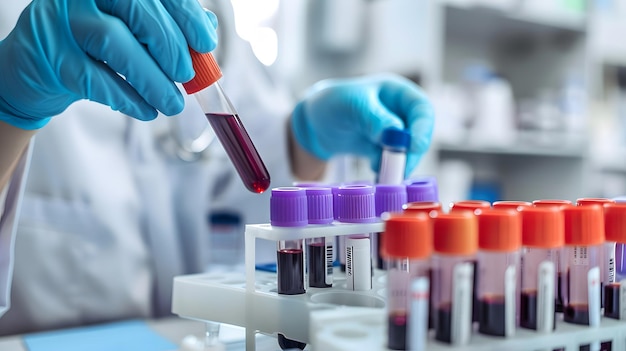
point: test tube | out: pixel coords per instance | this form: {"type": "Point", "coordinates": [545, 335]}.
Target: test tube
{"type": "Point", "coordinates": [288, 208]}
{"type": "Point", "coordinates": [542, 238]}
{"type": "Point", "coordinates": [356, 204]}
{"type": "Point", "coordinates": [422, 189]}
{"type": "Point", "coordinates": [395, 143]}
{"type": "Point", "coordinates": [407, 245]}
{"type": "Point", "coordinates": [455, 240]}
{"type": "Point", "coordinates": [499, 242]}
{"type": "Point", "coordinates": [387, 198]}
{"type": "Point", "coordinates": [226, 122]}
{"type": "Point", "coordinates": [607, 258]}
{"type": "Point", "coordinates": [615, 230]}
{"type": "Point", "coordinates": [320, 250]}
{"type": "Point", "coordinates": [584, 235]}
{"type": "Point", "coordinates": [620, 249]}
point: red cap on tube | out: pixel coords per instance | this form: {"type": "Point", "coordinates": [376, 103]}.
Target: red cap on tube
{"type": "Point", "coordinates": [207, 72]}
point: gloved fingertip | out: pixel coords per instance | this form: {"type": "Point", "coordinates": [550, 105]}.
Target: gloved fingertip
{"type": "Point", "coordinates": [212, 18]}
{"type": "Point", "coordinates": [174, 106]}
{"type": "Point", "coordinates": [412, 161]}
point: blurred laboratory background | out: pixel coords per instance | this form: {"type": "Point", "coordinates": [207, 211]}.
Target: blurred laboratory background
{"type": "Point", "coordinates": [530, 95]}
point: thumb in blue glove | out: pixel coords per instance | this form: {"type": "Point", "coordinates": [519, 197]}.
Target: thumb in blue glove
{"type": "Point", "coordinates": [348, 116]}
{"type": "Point", "coordinates": [125, 54]}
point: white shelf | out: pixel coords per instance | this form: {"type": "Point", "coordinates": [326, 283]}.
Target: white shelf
{"type": "Point", "coordinates": [524, 144]}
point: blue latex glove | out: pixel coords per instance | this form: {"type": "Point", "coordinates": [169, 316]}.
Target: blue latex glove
{"type": "Point", "coordinates": [348, 117]}
{"type": "Point", "coordinates": [61, 51]}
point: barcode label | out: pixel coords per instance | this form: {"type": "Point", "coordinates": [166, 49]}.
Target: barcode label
{"type": "Point", "coordinates": [329, 260]}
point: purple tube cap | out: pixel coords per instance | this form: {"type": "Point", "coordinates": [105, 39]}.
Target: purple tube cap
{"type": "Point", "coordinates": [422, 190]}
{"type": "Point", "coordinates": [288, 207]}
{"type": "Point", "coordinates": [320, 205]}
{"type": "Point", "coordinates": [389, 198]}
{"type": "Point", "coordinates": [356, 204]}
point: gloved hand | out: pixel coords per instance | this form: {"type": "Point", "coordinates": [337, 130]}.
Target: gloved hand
{"type": "Point", "coordinates": [124, 53]}
{"type": "Point", "coordinates": [348, 117]}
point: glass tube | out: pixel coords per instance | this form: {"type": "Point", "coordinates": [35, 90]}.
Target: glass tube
{"type": "Point", "coordinates": [226, 123]}
{"type": "Point", "coordinates": [395, 143]}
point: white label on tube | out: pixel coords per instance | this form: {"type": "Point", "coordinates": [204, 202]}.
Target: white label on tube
{"type": "Point", "coordinates": [341, 249]}
{"type": "Point", "coordinates": [545, 297]}
{"type": "Point", "coordinates": [358, 264]}
{"type": "Point", "coordinates": [418, 317]}
{"type": "Point", "coordinates": [593, 285]}
{"type": "Point", "coordinates": [392, 166]}
{"type": "Point", "coordinates": [509, 301]}
{"type": "Point", "coordinates": [608, 274]}
{"type": "Point", "coordinates": [622, 300]}
{"type": "Point", "coordinates": [461, 314]}
{"type": "Point", "coordinates": [329, 259]}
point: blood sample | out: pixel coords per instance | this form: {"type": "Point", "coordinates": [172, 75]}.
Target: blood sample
{"type": "Point", "coordinates": [356, 204]}
{"type": "Point", "coordinates": [455, 241]}
{"type": "Point", "coordinates": [288, 208]}
{"type": "Point", "coordinates": [395, 143]}
{"type": "Point", "coordinates": [320, 250]}
{"type": "Point", "coordinates": [387, 198]}
{"type": "Point", "coordinates": [584, 235]}
{"type": "Point", "coordinates": [542, 238]}
{"type": "Point", "coordinates": [499, 242]}
{"type": "Point", "coordinates": [406, 246]}
{"type": "Point", "coordinates": [226, 123]}
{"type": "Point", "coordinates": [615, 231]}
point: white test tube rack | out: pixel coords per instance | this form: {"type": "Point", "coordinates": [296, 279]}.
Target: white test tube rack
{"type": "Point", "coordinates": [333, 319]}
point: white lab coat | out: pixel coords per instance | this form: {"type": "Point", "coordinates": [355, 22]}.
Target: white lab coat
{"type": "Point", "coordinates": [108, 218]}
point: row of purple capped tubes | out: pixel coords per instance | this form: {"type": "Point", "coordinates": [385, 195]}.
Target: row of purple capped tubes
{"type": "Point", "coordinates": [314, 203]}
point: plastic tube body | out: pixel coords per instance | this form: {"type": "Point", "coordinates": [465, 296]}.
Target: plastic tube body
{"type": "Point", "coordinates": [234, 138]}
{"type": "Point", "coordinates": [320, 262]}
{"type": "Point", "coordinates": [290, 267]}
{"type": "Point", "coordinates": [395, 143]}
{"type": "Point", "coordinates": [497, 273]}
{"type": "Point", "coordinates": [400, 276]}
{"type": "Point", "coordinates": [582, 300]}
{"type": "Point", "coordinates": [451, 298]}
{"type": "Point", "coordinates": [538, 290]}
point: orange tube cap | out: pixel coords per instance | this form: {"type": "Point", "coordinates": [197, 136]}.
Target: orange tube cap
{"type": "Point", "coordinates": [455, 233]}
{"type": "Point", "coordinates": [499, 229]}
{"type": "Point", "coordinates": [542, 227]}
{"type": "Point", "coordinates": [407, 236]}
{"type": "Point", "coordinates": [207, 72]}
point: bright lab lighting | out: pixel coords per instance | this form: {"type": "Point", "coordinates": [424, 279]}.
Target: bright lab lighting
{"type": "Point", "coordinates": [251, 23]}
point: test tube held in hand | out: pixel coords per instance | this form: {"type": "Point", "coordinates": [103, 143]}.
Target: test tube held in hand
{"type": "Point", "coordinates": [226, 122]}
{"type": "Point", "coordinates": [455, 241]}
{"type": "Point", "coordinates": [288, 208]}
{"type": "Point", "coordinates": [406, 247]}
{"type": "Point", "coordinates": [542, 238]}
{"type": "Point", "coordinates": [395, 143]}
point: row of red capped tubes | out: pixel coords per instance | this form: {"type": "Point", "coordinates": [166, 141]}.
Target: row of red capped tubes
{"type": "Point", "coordinates": [499, 266]}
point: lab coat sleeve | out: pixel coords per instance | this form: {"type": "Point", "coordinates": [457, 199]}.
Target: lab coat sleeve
{"type": "Point", "coordinates": [10, 199]}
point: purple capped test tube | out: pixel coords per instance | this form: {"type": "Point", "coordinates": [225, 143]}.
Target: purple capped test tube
{"type": "Point", "coordinates": [288, 208]}
{"type": "Point", "coordinates": [387, 198]}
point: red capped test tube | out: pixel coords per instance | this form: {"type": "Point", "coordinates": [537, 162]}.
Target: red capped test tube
{"type": "Point", "coordinates": [422, 207]}
{"type": "Point", "coordinates": [542, 239]}
{"type": "Point", "coordinates": [584, 236]}
{"type": "Point", "coordinates": [226, 122]}
{"type": "Point", "coordinates": [455, 241]}
{"type": "Point", "coordinates": [288, 208]}
{"type": "Point", "coordinates": [514, 205]}
{"type": "Point", "coordinates": [406, 247]}
{"type": "Point", "coordinates": [615, 230]}
{"type": "Point", "coordinates": [561, 270]}
{"type": "Point", "coordinates": [469, 205]}
{"type": "Point", "coordinates": [499, 242]}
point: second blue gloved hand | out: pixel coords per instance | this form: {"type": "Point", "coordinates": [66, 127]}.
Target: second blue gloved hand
{"type": "Point", "coordinates": [125, 54]}
{"type": "Point", "coordinates": [348, 117]}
